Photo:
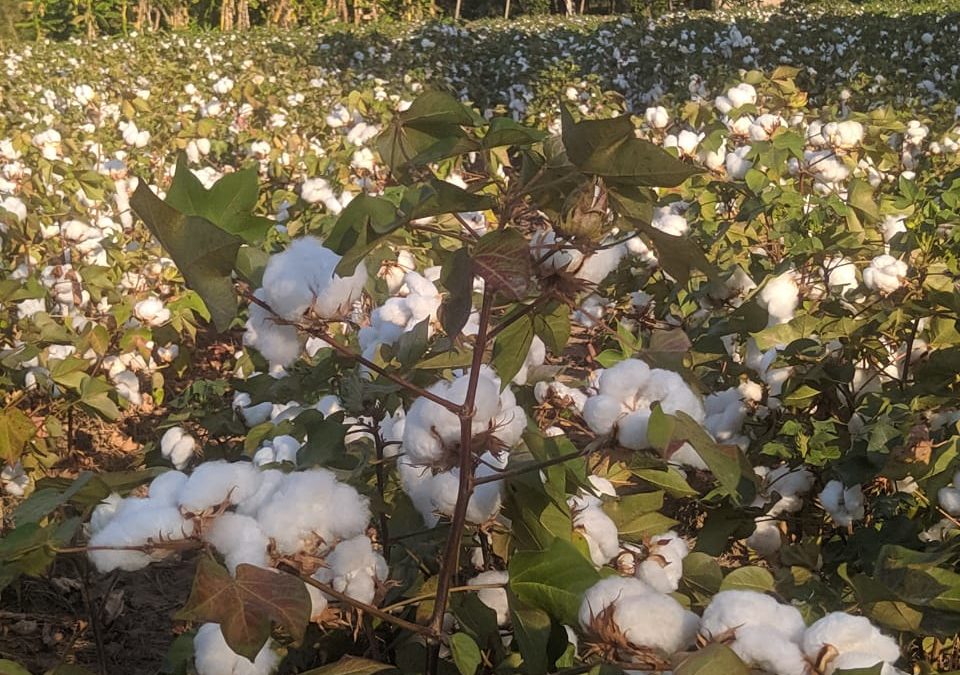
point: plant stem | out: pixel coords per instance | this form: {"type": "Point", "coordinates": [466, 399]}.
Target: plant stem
{"type": "Point", "coordinates": [451, 554]}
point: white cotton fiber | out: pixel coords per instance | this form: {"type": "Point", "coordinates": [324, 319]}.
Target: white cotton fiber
{"type": "Point", "coordinates": [656, 621]}
{"type": "Point", "coordinates": [885, 274]}
{"type": "Point", "coordinates": [730, 610]}
{"type": "Point", "coordinates": [212, 655]}
{"type": "Point", "coordinates": [166, 488]}
{"type": "Point", "coordinates": [214, 483]}
{"type": "Point", "coordinates": [149, 522]}
{"type": "Point", "coordinates": [239, 539]}
{"type": "Point", "coordinates": [355, 569]}
{"type": "Point", "coordinates": [780, 297]}
{"type": "Point", "coordinates": [848, 635]}
{"type": "Point", "coordinates": [494, 598]}
{"type": "Point", "coordinates": [312, 504]}
{"type": "Point", "coordinates": [605, 592]}
{"type": "Point", "coordinates": [845, 505]}
{"type": "Point", "coordinates": [178, 446]}
{"type": "Point", "coordinates": [302, 277]}
{"type": "Point", "coordinates": [766, 648]}
{"type": "Point", "coordinates": [597, 528]}
{"type": "Point", "coordinates": [663, 566]}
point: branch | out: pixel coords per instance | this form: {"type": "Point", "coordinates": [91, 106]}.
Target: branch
{"type": "Point", "coordinates": [527, 468]}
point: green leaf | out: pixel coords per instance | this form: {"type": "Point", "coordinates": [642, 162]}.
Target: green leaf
{"type": "Point", "coordinates": [702, 574]}
{"type": "Point", "coordinates": [351, 665]}
{"type": "Point", "coordinates": [860, 197]}
{"type": "Point", "coordinates": [204, 253]}
{"type": "Point", "coordinates": [502, 258]}
{"type": "Point", "coordinates": [244, 606]}
{"type": "Point", "coordinates": [16, 430]}
{"type": "Point", "coordinates": [801, 396]}
{"type": "Point", "coordinates": [94, 395]}
{"type": "Point", "coordinates": [359, 229]}
{"type": "Point", "coordinates": [679, 256]}
{"type": "Point", "coordinates": [466, 653]}
{"type": "Point", "coordinates": [748, 579]}
{"type": "Point", "coordinates": [505, 131]}
{"type": "Point", "coordinates": [8, 667]}
{"type": "Point", "coordinates": [552, 325]}
{"type": "Point", "coordinates": [669, 479]}
{"type": "Point", "coordinates": [552, 580]}
{"type": "Point", "coordinates": [532, 630]}
{"type": "Point", "coordinates": [609, 148]}
{"type": "Point", "coordinates": [456, 276]}
{"type": "Point", "coordinates": [228, 204]}
{"type": "Point", "coordinates": [510, 349]}
{"type": "Point", "coordinates": [714, 659]}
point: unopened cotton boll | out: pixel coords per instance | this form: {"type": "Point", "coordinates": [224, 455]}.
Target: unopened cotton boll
{"type": "Point", "coordinates": [178, 446]}
{"type": "Point", "coordinates": [212, 655]}
{"type": "Point", "coordinates": [885, 274]}
{"type": "Point", "coordinates": [494, 598]}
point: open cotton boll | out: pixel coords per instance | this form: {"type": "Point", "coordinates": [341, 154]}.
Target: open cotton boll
{"type": "Point", "coordinates": [302, 278]}
{"type": "Point", "coordinates": [665, 220]}
{"type": "Point", "coordinates": [564, 395]}
{"type": "Point", "coordinates": [167, 487]}
{"type": "Point", "coordinates": [178, 446]}
{"type": "Point", "coordinates": [149, 522]}
{"type": "Point", "coordinates": [885, 274]}
{"type": "Point", "coordinates": [604, 593]}
{"type": "Point", "coordinates": [597, 528]}
{"type": "Point", "coordinates": [657, 117]}
{"type": "Point", "coordinates": [766, 538]}
{"type": "Point", "coordinates": [655, 621]}
{"type": "Point", "coordinates": [848, 634]}
{"type": "Point", "coordinates": [730, 610]}
{"type": "Point", "coordinates": [270, 480]}
{"type": "Point", "coordinates": [855, 660]}
{"type": "Point", "coordinates": [354, 569]}
{"type": "Point", "coordinates": [780, 296]}
{"type": "Point", "coordinates": [212, 655]}
{"type": "Point", "coordinates": [841, 274]}
{"type": "Point", "coordinates": [602, 413]}
{"type": "Point", "coordinates": [535, 357]}
{"type": "Point", "coordinates": [239, 539]}
{"type": "Point", "coordinates": [279, 344]}
{"type": "Point", "coordinates": [312, 505]}
{"type": "Point", "coordinates": [737, 164]}
{"type": "Point", "coordinates": [104, 512]}
{"type": "Point", "coordinates": [845, 505]}
{"type": "Point", "coordinates": [214, 483]}
{"type": "Point", "coordinates": [892, 226]}
{"type": "Point", "coordinates": [663, 567]}
{"type": "Point", "coordinates": [766, 648]}
{"type": "Point", "coordinates": [494, 598]}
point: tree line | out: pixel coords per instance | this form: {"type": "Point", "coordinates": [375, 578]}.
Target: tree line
{"type": "Point", "coordinates": [60, 19]}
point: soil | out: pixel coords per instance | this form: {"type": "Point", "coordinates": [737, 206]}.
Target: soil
{"type": "Point", "coordinates": [116, 624]}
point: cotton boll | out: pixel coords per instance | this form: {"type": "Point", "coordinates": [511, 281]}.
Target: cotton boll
{"type": "Point", "coordinates": [598, 529]}
{"type": "Point", "coordinates": [632, 430]}
{"type": "Point", "coordinates": [841, 274]}
{"type": "Point", "coordinates": [855, 660]}
{"type": "Point", "coordinates": [212, 655]}
{"type": "Point", "coordinates": [136, 527]}
{"type": "Point", "coordinates": [730, 610]}
{"type": "Point", "coordinates": [663, 567]}
{"type": "Point", "coordinates": [849, 634]}
{"type": "Point", "coordinates": [766, 648]}
{"type": "Point", "coordinates": [557, 391]}
{"type": "Point", "coordinates": [737, 163]}
{"type": "Point", "coordinates": [604, 593]}
{"type": "Point", "coordinates": [294, 516]}
{"type": "Point", "coordinates": [624, 379]}
{"type": "Point", "coordinates": [780, 296]}
{"type": "Point", "coordinates": [949, 497]}
{"type": "Point", "coordinates": [166, 488]}
{"type": "Point", "coordinates": [104, 512]}
{"type": "Point", "coordinates": [657, 117]}
{"type": "Point", "coordinates": [602, 413]}
{"type": "Point", "coordinates": [303, 277]}
{"type": "Point", "coordinates": [892, 226]}
{"type": "Point", "coordinates": [535, 357]}
{"type": "Point", "coordinates": [279, 344]}
{"type": "Point", "coordinates": [214, 483]}
{"type": "Point", "coordinates": [270, 480]}
{"type": "Point", "coordinates": [494, 598]}
{"type": "Point", "coordinates": [178, 446]}
{"type": "Point", "coordinates": [766, 539]}
{"type": "Point", "coordinates": [655, 621]}
{"type": "Point", "coordinates": [128, 387]}
{"type": "Point", "coordinates": [885, 274]}
{"type": "Point", "coordinates": [845, 505]}
{"type": "Point", "coordinates": [239, 539]}
{"type": "Point", "coordinates": [354, 569]}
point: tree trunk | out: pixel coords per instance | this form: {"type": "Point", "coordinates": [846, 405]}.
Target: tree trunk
{"type": "Point", "coordinates": [226, 15]}
{"type": "Point", "coordinates": [243, 15]}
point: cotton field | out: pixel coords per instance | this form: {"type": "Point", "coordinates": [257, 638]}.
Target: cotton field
{"type": "Point", "coordinates": [542, 346]}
